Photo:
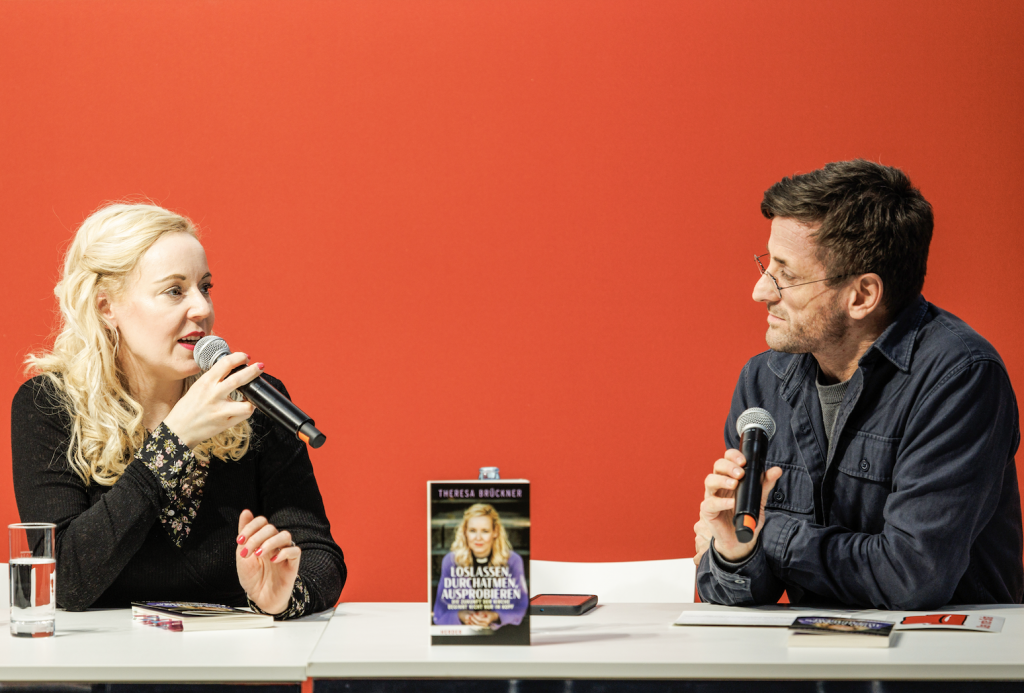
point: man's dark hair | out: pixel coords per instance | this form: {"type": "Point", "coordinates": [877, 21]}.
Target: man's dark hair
{"type": "Point", "coordinates": [871, 220]}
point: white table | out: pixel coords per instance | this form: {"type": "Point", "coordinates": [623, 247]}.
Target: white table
{"type": "Point", "coordinates": [106, 646]}
{"type": "Point", "coordinates": [617, 641]}
{"type": "Point", "coordinates": [636, 641]}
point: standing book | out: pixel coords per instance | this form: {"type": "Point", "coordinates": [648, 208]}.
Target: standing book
{"type": "Point", "coordinates": [479, 562]}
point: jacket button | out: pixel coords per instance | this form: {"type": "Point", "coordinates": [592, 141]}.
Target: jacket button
{"type": "Point", "coordinates": [865, 465]}
{"type": "Point", "coordinates": [778, 496]}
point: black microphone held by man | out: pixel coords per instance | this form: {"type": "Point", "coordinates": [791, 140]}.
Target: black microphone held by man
{"type": "Point", "coordinates": [262, 394]}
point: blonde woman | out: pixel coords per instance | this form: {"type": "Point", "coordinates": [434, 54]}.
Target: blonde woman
{"type": "Point", "coordinates": [490, 584]}
{"type": "Point", "coordinates": [163, 484]}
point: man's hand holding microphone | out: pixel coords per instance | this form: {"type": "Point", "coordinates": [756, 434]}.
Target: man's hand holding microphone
{"type": "Point", "coordinates": [732, 512]}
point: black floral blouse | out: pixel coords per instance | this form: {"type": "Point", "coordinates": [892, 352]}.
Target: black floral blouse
{"type": "Point", "coordinates": [296, 606]}
{"type": "Point", "coordinates": [182, 477]}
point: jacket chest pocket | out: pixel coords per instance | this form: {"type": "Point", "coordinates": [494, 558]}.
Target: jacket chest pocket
{"type": "Point", "coordinates": [863, 482]}
{"type": "Point", "coordinates": [793, 492]}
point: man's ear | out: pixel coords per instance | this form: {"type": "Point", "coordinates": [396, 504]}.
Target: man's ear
{"type": "Point", "coordinates": [866, 295]}
{"type": "Point", "coordinates": [106, 310]}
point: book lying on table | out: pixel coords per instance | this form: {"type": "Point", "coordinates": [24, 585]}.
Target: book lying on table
{"type": "Point", "coordinates": [820, 631]}
{"type": "Point", "coordinates": [479, 562]}
{"type": "Point", "coordinates": [180, 616]}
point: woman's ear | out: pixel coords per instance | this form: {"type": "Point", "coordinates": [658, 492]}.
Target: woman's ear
{"type": "Point", "coordinates": [106, 309]}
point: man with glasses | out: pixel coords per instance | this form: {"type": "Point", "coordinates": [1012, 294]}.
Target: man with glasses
{"type": "Point", "coordinates": [890, 480]}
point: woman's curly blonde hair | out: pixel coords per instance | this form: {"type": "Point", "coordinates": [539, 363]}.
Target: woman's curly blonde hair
{"type": "Point", "coordinates": [501, 549]}
{"type": "Point", "coordinates": [106, 421]}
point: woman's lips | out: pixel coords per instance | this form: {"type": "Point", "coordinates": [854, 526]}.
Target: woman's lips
{"type": "Point", "coordinates": [190, 340]}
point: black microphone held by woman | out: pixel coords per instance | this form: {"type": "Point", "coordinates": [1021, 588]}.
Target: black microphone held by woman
{"type": "Point", "coordinates": [262, 394]}
{"type": "Point", "coordinates": [755, 427]}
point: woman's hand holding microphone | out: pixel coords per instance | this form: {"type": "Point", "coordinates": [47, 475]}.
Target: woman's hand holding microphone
{"type": "Point", "coordinates": [207, 408]}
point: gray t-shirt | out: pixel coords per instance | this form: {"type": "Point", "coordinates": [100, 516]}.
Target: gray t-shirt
{"type": "Point", "coordinates": [830, 396]}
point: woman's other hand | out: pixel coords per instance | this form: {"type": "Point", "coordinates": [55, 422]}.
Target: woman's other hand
{"type": "Point", "coordinates": [207, 408]}
{"type": "Point", "coordinates": [267, 562]}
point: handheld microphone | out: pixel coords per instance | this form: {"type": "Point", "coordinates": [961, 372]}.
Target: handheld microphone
{"type": "Point", "coordinates": [755, 427]}
{"type": "Point", "coordinates": [264, 396]}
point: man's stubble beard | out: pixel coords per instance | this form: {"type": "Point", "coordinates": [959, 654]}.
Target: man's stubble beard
{"type": "Point", "coordinates": [826, 328]}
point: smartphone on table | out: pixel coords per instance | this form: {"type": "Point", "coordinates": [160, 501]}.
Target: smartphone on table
{"type": "Point", "coordinates": [562, 604]}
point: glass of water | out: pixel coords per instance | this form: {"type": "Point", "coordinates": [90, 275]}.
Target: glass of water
{"type": "Point", "coordinates": [33, 579]}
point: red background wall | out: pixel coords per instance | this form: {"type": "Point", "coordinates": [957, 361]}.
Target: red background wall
{"type": "Point", "coordinates": [514, 234]}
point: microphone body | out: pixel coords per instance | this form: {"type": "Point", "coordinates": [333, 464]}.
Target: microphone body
{"type": "Point", "coordinates": [756, 428]}
{"type": "Point", "coordinates": [264, 396]}
{"type": "Point", "coordinates": [269, 400]}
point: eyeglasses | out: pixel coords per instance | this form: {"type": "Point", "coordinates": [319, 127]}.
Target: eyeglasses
{"type": "Point", "coordinates": [778, 288]}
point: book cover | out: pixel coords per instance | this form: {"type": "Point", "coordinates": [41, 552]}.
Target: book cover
{"type": "Point", "coordinates": [479, 562]}
{"type": "Point", "coordinates": [819, 631]}
{"type": "Point", "coordinates": [179, 616]}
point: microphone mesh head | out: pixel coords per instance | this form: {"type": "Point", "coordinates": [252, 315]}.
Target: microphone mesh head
{"type": "Point", "coordinates": [755, 416]}
{"type": "Point", "coordinates": [208, 350]}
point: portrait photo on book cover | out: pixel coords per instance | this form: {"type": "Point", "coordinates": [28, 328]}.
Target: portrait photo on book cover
{"type": "Point", "coordinates": [481, 580]}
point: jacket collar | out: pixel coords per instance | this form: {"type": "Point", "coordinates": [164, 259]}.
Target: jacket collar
{"type": "Point", "coordinates": [896, 343]}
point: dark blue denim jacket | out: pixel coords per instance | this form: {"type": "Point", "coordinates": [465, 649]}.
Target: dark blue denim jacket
{"type": "Point", "coordinates": [917, 505]}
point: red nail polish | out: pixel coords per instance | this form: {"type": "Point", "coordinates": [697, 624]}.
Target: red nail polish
{"type": "Point", "coordinates": [244, 552]}
{"type": "Point", "coordinates": [259, 551]}
{"type": "Point", "coordinates": [240, 539]}
{"type": "Point", "coordinates": [273, 558]}
{"type": "Point", "coordinates": [260, 366]}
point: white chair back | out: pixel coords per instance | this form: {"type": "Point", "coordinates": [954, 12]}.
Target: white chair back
{"type": "Point", "coordinates": [669, 581]}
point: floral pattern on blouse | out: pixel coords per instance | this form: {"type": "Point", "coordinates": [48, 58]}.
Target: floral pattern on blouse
{"type": "Point", "coordinates": [297, 605]}
{"type": "Point", "coordinates": [182, 477]}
